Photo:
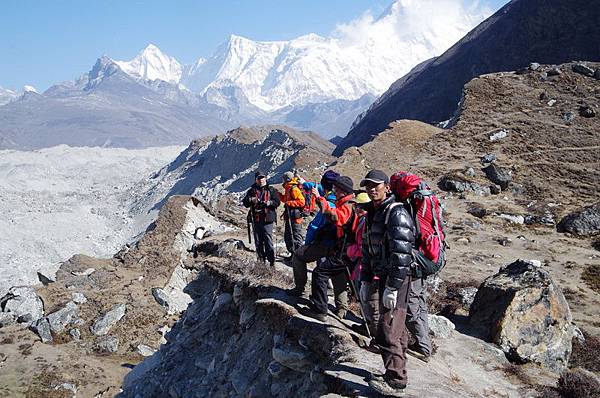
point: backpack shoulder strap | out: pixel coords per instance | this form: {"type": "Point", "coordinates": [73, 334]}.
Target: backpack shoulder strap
{"type": "Point", "coordinates": [389, 209]}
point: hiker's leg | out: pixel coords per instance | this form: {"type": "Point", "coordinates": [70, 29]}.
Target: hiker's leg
{"type": "Point", "coordinates": [416, 315]}
{"type": "Point", "coordinates": [287, 237]}
{"type": "Point", "coordinates": [320, 276]}
{"type": "Point", "coordinates": [299, 268]}
{"type": "Point", "coordinates": [392, 335]}
{"type": "Point", "coordinates": [371, 307]}
{"type": "Point", "coordinates": [297, 234]}
{"type": "Point", "coordinates": [268, 243]}
{"type": "Point", "coordinates": [340, 291]}
{"type": "Point", "coordinates": [259, 229]}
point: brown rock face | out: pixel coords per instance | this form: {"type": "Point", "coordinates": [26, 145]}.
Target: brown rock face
{"type": "Point", "coordinates": [523, 311]}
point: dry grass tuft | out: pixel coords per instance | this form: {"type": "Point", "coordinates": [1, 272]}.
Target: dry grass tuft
{"type": "Point", "coordinates": [591, 276]}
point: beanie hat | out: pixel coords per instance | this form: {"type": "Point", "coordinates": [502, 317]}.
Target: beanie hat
{"type": "Point", "coordinates": [287, 176]}
{"type": "Point", "coordinates": [328, 179]}
{"type": "Point", "coordinates": [345, 184]}
{"type": "Point", "coordinates": [259, 173]}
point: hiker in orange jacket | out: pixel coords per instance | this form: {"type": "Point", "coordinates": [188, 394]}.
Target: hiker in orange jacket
{"type": "Point", "coordinates": [293, 201]}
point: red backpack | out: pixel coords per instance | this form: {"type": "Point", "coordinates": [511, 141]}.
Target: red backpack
{"type": "Point", "coordinates": [310, 201]}
{"type": "Point", "coordinates": [424, 206]}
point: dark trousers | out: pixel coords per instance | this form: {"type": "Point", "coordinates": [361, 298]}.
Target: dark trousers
{"type": "Point", "coordinates": [334, 269]}
{"type": "Point", "coordinates": [263, 240]}
{"type": "Point", "coordinates": [307, 254]}
{"type": "Point", "coordinates": [392, 335]}
{"type": "Point", "coordinates": [293, 237]}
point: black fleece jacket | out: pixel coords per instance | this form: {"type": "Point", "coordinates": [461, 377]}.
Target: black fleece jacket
{"type": "Point", "coordinates": [267, 200]}
{"type": "Point", "coordinates": [387, 249]}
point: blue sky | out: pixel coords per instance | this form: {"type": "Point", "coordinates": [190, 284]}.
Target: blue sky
{"type": "Point", "coordinates": [45, 42]}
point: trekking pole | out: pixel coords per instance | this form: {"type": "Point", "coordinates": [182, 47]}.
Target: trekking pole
{"type": "Point", "coordinates": [249, 226]}
{"type": "Point", "coordinates": [289, 221]}
{"type": "Point", "coordinates": [352, 287]}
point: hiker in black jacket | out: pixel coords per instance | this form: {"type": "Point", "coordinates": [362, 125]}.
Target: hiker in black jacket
{"type": "Point", "coordinates": [262, 199]}
{"type": "Point", "coordinates": [387, 253]}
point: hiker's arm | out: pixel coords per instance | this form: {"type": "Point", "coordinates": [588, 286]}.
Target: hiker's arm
{"type": "Point", "coordinates": [338, 215]}
{"type": "Point", "coordinates": [275, 201]}
{"type": "Point", "coordinates": [401, 238]}
{"type": "Point", "coordinates": [246, 201]}
{"type": "Point", "coordinates": [297, 199]}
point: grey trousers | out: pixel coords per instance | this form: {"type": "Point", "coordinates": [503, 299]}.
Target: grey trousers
{"type": "Point", "coordinates": [416, 315]}
{"type": "Point", "coordinates": [307, 254]}
{"type": "Point", "coordinates": [263, 241]}
{"type": "Point", "coordinates": [293, 237]}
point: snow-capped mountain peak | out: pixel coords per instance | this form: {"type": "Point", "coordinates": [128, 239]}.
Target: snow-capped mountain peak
{"type": "Point", "coordinates": [29, 89]}
{"type": "Point", "coordinates": [152, 64]}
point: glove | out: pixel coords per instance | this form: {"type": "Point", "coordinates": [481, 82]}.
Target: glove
{"type": "Point", "coordinates": [390, 297]}
{"type": "Point", "coordinates": [365, 291]}
{"type": "Point", "coordinates": [254, 200]}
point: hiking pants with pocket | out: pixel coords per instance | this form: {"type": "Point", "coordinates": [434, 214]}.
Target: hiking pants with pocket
{"type": "Point", "coordinates": [325, 270]}
{"type": "Point", "coordinates": [293, 237]}
{"type": "Point", "coordinates": [416, 315]}
{"type": "Point", "coordinates": [392, 335]}
{"type": "Point", "coordinates": [263, 239]}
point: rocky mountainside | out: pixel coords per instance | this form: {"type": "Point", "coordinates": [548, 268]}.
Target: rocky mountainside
{"type": "Point", "coordinates": [212, 168]}
{"type": "Point", "coordinates": [522, 32]}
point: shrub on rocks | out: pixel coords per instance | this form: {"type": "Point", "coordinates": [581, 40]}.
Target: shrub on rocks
{"type": "Point", "coordinates": [523, 311]}
{"type": "Point", "coordinates": [579, 383]}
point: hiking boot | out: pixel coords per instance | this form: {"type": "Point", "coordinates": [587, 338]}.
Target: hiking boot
{"type": "Point", "coordinates": [314, 313]}
{"type": "Point", "coordinates": [386, 387]}
{"type": "Point", "coordinates": [415, 352]}
{"type": "Point", "coordinates": [294, 292]}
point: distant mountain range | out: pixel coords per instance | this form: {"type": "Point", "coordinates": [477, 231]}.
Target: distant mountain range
{"type": "Point", "coordinates": [523, 31]}
{"type": "Point", "coordinates": [310, 83]}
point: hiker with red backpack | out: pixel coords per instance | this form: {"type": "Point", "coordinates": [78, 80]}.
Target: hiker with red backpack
{"type": "Point", "coordinates": [335, 264]}
{"type": "Point", "coordinates": [429, 256]}
{"type": "Point", "coordinates": [388, 245]}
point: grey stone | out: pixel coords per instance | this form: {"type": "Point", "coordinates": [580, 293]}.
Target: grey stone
{"type": "Point", "coordinates": [534, 66]}
{"type": "Point", "coordinates": [587, 111]}
{"type": "Point", "coordinates": [583, 69]}
{"type": "Point", "coordinates": [469, 172]}
{"type": "Point", "coordinates": [145, 350]}
{"type": "Point", "coordinates": [434, 283]}
{"type": "Point", "coordinates": [42, 328]}
{"type": "Point", "coordinates": [292, 358]}
{"type": "Point", "coordinates": [108, 344]}
{"type": "Point", "coordinates": [45, 279]}
{"type": "Point", "coordinates": [512, 218]}
{"type": "Point", "coordinates": [457, 184]}
{"type": "Point", "coordinates": [221, 303]}
{"type": "Point", "coordinates": [578, 334]}
{"type": "Point", "coordinates": [466, 295]}
{"type": "Point", "coordinates": [585, 222]}
{"type": "Point", "coordinates": [495, 189]}
{"type": "Point", "coordinates": [597, 74]}
{"type": "Point", "coordinates": [67, 386]}
{"type": "Point", "coordinates": [6, 319]}
{"type": "Point", "coordinates": [498, 135]}
{"type": "Point", "coordinates": [108, 320]}
{"type": "Point", "coordinates": [87, 272]}
{"type": "Point", "coordinates": [523, 311]}
{"type": "Point", "coordinates": [440, 326]}
{"type": "Point", "coordinates": [78, 298]}
{"type": "Point", "coordinates": [554, 72]}
{"type": "Point", "coordinates": [568, 117]}
{"type": "Point", "coordinates": [488, 158]}
{"type": "Point", "coordinates": [160, 296]}
{"type": "Point", "coordinates": [59, 320]}
{"type": "Point", "coordinates": [23, 303]}
{"type": "Point", "coordinates": [498, 175]}
{"type": "Point", "coordinates": [75, 334]}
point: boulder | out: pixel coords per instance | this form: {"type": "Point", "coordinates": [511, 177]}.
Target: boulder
{"type": "Point", "coordinates": [585, 222]}
{"type": "Point", "coordinates": [597, 74]}
{"type": "Point", "coordinates": [440, 326]}
{"type": "Point", "coordinates": [587, 111]}
{"type": "Point", "coordinates": [145, 350]}
{"type": "Point", "coordinates": [466, 295]}
{"type": "Point", "coordinates": [108, 344]}
{"type": "Point", "coordinates": [292, 358]}
{"type": "Point", "coordinates": [554, 72]}
{"type": "Point", "coordinates": [454, 183]}
{"type": "Point", "coordinates": [488, 158]}
{"type": "Point", "coordinates": [59, 320]}
{"type": "Point", "coordinates": [104, 323]}
{"type": "Point", "coordinates": [498, 135]}
{"type": "Point", "coordinates": [75, 334]}
{"type": "Point", "coordinates": [523, 311]}
{"type": "Point", "coordinates": [568, 117]}
{"type": "Point", "coordinates": [512, 218]}
{"type": "Point", "coordinates": [6, 319]}
{"type": "Point", "coordinates": [78, 298]}
{"type": "Point", "coordinates": [42, 329]}
{"type": "Point", "coordinates": [498, 175]}
{"type": "Point", "coordinates": [23, 303]}
{"type": "Point", "coordinates": [583, 69]}
{"type": "Point", "coordinates": [222, 301]}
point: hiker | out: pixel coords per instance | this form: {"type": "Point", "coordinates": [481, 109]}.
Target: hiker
{"type": "Point", "coordinates": [320, 237]}
{"type": "Point", "coordinates": [387, 254]}
{"type": "Point", "coordinates": [334, 265]}
{"type": "Point", "coordinates": [293, 200]}
{"type": "Point", "coordinates": [370, 302]}
{"type": "Point", "coordinates": [262, 200]}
